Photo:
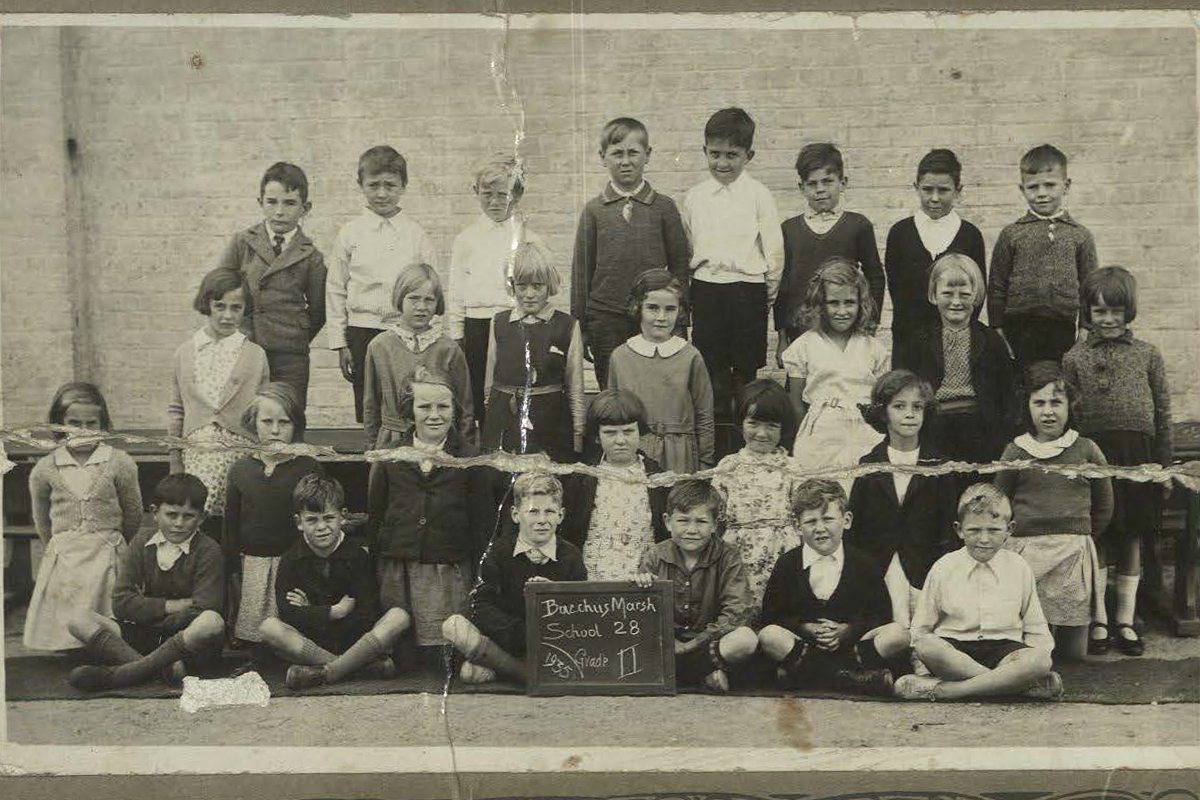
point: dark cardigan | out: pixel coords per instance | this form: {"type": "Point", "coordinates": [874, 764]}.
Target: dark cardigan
{"type": "Point", "coordinates": [991, 372]}
{"type": "Point", "coordinates": [440, 518]}
{"type": "Point", "coordinates": [906, 263]}
{"type": "Point", "coordinates": [860, 598]}
{"type": "Point", "coordinates": [921, 529]}
{"type": "Point", "coordinates": [579, 500]}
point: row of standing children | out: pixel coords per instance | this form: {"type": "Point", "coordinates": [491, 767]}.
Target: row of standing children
{"type": "Point", "coordinates": [218, 369]}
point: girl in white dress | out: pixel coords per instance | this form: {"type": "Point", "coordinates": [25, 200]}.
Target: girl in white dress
{"type": "Point", "coordinates": [832, 367]}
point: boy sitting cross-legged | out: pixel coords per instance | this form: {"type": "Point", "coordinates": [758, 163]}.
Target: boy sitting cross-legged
{"type": "Point", "coordinates": [979, 625]}
{"type": "Point", "coordinates": [329, 626]}
{"type": "Point", "coordinates": [493, 637]}
{"type": "Point", "coordinates": [712, 595]}
{"type": "Point", "coordinates": [169, 591]}
{"type": "Point", "coordinates": [826, 614]}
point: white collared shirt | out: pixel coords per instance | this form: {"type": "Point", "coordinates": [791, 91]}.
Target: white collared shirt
{"type": "Point", "coordinates": [369, 253]}
{"type": "Point", "coordinates": [644, 347]}
{"type": "Point", "coordinates": [821, 222]}
{"type": "Point", "coordinates": [79, 477]}
{"type": "Point", "coordinates": [937, 234]}
{"type": "Point", "coordinates": [287, 237]}
{"type": "Point", "coordinates": [621, 193]}
{"type": "Point", "coordinates": [549, 549]}
{"type": "Point", "coordinates": [824, 572]}
{"type": "Point", "coordinates": [736, 229]}
{"type": "Point", "coordinates": [481, 264]}
{"type": "Point", "coordinates": [169, 552]}
{"type": "Point", "coordinates": [901, 479]}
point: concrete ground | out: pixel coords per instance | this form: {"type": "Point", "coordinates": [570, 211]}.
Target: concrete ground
{"type": "Point", "coordinates": [686, 720]}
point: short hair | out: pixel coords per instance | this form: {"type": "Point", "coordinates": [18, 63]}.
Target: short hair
{"type": "Point", "coordinates": [941, 162]}
{"type": "Point", "coordinates": [984, 498]}
{"type": "Point", "coordinates": [885, 390]}
{"type": "Point", "coordinates": [317, 492]}
{"type": "Point", "coordinates": [413, 276]}
{"type": "Point", "coordinates": [688, 494]}
{"type": "Point", "coordinates": [535, 484]}
{"type": "Point", "coordinates": [501, 168]}
{"type": "Point", "coordinates": [731, 125]}
{"type": "Point", "coordinates": [816, 494]}
{"type": "Point", "coordinates": [615, 407]}
{"type": "Point", "coordinates": [946, 263]}
{"type": "Point", "coordinates": [838, 271]}
{"type": "Point", "coordinates": [1115, 285]}
{"type": "Point", "coordinates": [651, 281]}
{"type": "Point", "coordinates": [617, 130]}
{"type": "Point", "coordinates": [819, 155]}
{"type": "Point", "coordinates": [181, 489]}
{"type": "Point", "coordinates": [77, 392]}
{"type": "Point", "coordinates": [765, 400]}
{"type": "Point", "coordinates": [289, 176]}
{"type": "Point", "coordinates": [1043, 158]}
{"type": "Point", "coordinates": [531, 264]}
{"type": "Point", "coordinates": [1039, 374]}
{"type": "Point", "coordinates": [218, 283]}
{"type": "Point", "coordinates": [289, 400]}
{"type": "Point", "coordinates": [430, 376]}
{"type": "Point", "coordinates": [382, 158]}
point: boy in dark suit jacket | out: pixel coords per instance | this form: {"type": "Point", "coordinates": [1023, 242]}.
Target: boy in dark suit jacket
{"type": "Point", "coordinates": [329, 625]}
{"type": "Point", "coordinates": [286, 276]}
{"type": "Point", "coordinates": [492, 638]}
{"type": "Point", "coordinates": [825, 609]}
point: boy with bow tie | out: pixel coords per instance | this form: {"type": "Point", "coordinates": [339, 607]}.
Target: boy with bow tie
{"type": "Point", "coordinates": [285, 273]}
{"type": "Point", "coordinates": [822, 232]}
{"type": "Point", "coordinates": [492, 635]}
{"type": "Point", "coordinates": [167, 600]}
{"type": "Point", "coordinates": [826, 614]}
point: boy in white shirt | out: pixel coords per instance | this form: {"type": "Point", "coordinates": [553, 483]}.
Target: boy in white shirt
{"type": "Point", "coordinates": [737, 257]}
{"type": "Point", "coordinates": [368, 255]}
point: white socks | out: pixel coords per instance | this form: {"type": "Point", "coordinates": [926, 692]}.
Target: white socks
{"type": "Point", "coordinates": [1127, 586]}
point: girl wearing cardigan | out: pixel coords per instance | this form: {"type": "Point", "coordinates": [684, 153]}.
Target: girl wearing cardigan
{"type": "Point", "coordinates": [217, 373]}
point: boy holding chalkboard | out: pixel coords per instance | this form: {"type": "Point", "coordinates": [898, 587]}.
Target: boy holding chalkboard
{"type": "Point", "coordinates": [493, 637]}
{"type": "Point", "coordinates": [826, 614]}
{"type": "Point", "coordinates": [712, 595]}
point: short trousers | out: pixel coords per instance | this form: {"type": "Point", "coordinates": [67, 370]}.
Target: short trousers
{"type": "Point", "coordinates": [987, 652]}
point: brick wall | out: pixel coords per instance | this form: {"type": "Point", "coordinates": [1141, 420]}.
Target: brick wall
{"type": "Point", "coordinates": [176, 126]}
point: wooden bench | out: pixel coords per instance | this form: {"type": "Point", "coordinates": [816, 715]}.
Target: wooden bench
{"type": "Point", "coordinates": [1178, 544]}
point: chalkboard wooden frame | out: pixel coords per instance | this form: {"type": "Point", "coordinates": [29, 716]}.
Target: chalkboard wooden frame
{"type": "Point", "coordinates": [663, 591]}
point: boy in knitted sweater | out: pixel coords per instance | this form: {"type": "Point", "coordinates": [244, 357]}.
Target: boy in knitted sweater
{"type": "Point", "coordinates": [1038, 265]}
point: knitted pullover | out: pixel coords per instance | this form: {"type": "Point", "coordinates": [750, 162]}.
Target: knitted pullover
{"type": "Point", "coordinates": [1037, 268]}
{"type": "Point", "coordinates": [1048, 502]}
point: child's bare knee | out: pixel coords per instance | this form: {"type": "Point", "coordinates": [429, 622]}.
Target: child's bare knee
{"type": "Point", "coordinates": [208, 625]}
{"type": "Point", "coordinates": [456, 630]}
{"type": "Point", "coordinates": [739, 644]}
{"type": "Point", "coordinates": [927, 644]}
{"type": "Point", "coordinates": [83, 624]}
{"type": "Point", "coordinates": [394, 622]}
{"type": "Point", "coordinates": [775, 641]}
{"type": "Point", "coordinates": [272, 630]}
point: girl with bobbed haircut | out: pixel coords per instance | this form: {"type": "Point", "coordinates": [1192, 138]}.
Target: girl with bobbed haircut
{"type": "Point", "coordinates": [613, 518]}
{"type": "Point", "coordinates": [532, 264]}
{"type": "Point", "coordinates": [1056, 517]}
{"type": "Point", "coordinates": [77, 392]}
{"type": "Point", "coordinates": [218, 283]}
{"type": "Point", "coordinates": [946, 265]}
{"type": "Point", "coordinates": [1114, 286]}
{"type": "Point", "coordinates": [901, 521]}
{"type": "Point", "coordinates": [651, 281]}
{"type": "Point", "coordinates": [259, 527]}
{"type": "Point", "coordinates": [430, 376]}
{"type": "Point", "coordinates": [411, 278]}
{"type": "Point", "coordinates": [757, 480]}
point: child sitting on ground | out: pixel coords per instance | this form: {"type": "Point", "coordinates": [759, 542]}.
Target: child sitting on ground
{"type": "Point", "coordinates": [826, 615]}
{"type": "Point", "coordinates": [329, 625]}
{"type": "Point", "coordinates": [492, 638]}
{"type": "Point", "coordinates": [979, 627]}
{"type": "Point", "coordinates": [712, 597]}
{"type": "Point", "coordinates": [167, 601]}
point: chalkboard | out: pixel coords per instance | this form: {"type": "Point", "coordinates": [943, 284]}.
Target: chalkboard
{"type": "Point", "coordinates": [600, 637]}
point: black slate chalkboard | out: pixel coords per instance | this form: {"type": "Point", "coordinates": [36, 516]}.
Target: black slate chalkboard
{"type": "Point", "coordinates": [600, 637]}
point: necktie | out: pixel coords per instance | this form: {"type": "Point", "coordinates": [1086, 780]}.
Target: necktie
{"type": "Point", "coordinates": [627, 210]}
{"type": "Point", "coordinates": [278, 244]}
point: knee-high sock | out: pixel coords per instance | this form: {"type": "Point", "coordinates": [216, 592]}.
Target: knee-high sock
{"type": "Point", "coordinates": [1127, 586]}
{"type": "Point", "coordinates": [361, 653]}
{"type": "Point", "coordinates": [108, 647]}
{"type": "Point", "coordinates": [490, 654]}
{"type": "Point", "coordinates": [147, 667]}
{"type": "Point", "coordinates": [314, 655]}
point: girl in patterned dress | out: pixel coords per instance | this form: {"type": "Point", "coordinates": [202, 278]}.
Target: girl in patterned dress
{"type": "Point", "coordinates": [613, 521]}
{"type": "Point", "coordinates": [217, 373]}
{"type": "Point", "coordinates": [86, 505]}
{"type": "Point", "coordinates": [259, 522]}
{"type": "Point", "coordinates": [668, 375]}
{"type": "Point", "coordinates": [832, 367]}
{"type": "Point", "coordinates": [757, 483]}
